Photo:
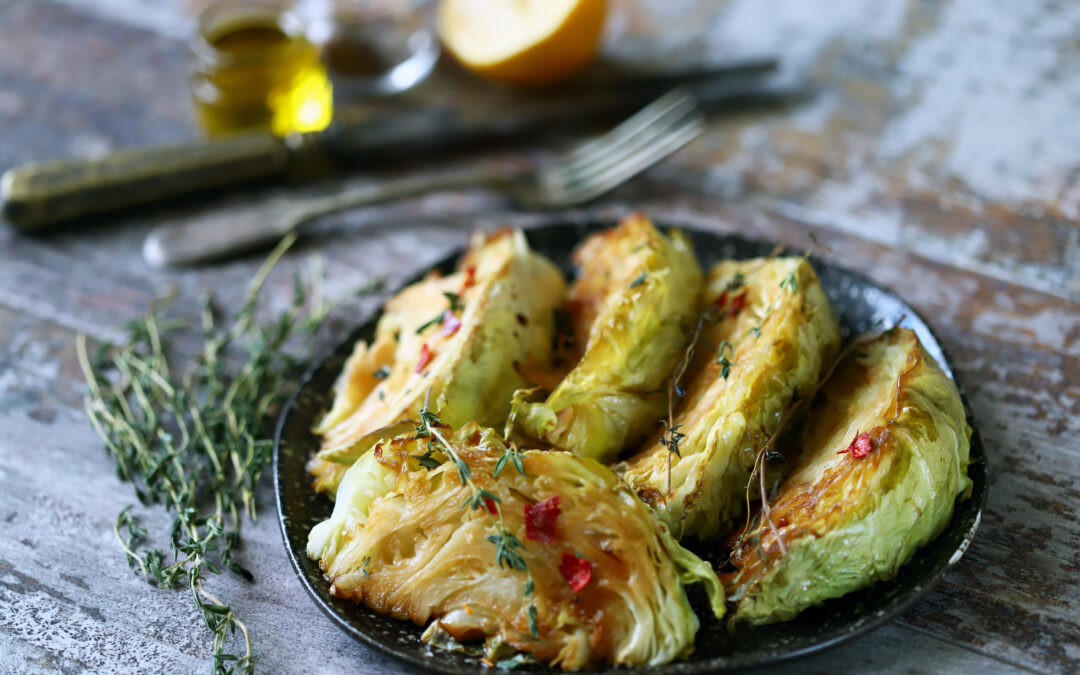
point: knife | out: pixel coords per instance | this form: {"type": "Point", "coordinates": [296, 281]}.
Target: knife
{"type": "Point", "coordinates": [36, 196]}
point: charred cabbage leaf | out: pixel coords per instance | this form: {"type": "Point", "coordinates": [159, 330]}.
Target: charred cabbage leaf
{"type": "Point", "coordinates": [766, 335]}
{"type": "Point", "coordinates": [461, 335]}
{"type": "Point", "coordinates": [601, 579]}
{"type": "Point", "coordinates": [629, 308]}
{"type": "Point", "coordinates": [884, 457]}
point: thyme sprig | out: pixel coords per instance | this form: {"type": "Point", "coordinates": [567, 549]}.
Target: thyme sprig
{"type": "Point", "coordinates": [198, 443]}
{"type": "Point", "coordinates": [767, 451]}
{"type": "Point", "coordinates": [506, 543]}
{"type": "Point", "coordinates": [671, 437]}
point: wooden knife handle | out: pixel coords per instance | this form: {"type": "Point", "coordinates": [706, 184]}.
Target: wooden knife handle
{"type": "Point", "coordinates": [41, 194]}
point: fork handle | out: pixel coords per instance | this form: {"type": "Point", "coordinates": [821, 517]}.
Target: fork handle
{"type": "Point", "coordinates": [224, 233]}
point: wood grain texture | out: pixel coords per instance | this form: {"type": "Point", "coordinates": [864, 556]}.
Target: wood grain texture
{"type": "Point", "coordinates": [940, 156]}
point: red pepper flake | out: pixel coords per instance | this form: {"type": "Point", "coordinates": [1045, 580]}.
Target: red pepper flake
{"type": "Point", "coordinates": [490, 504]}
{"type": "Point", "coordinates": [540, 520]}
{"type": "Point", "coordinates": [722, 300]}
{"type": "Point", "coordinates": [860, 446]}
{"type": "Point", "coordinates": [738, 302]}
{"type": "Point", "coordinates": [470, 277]}
{"type": "Point", "coordinates": [425, 358]}
{"type": "Point", "coordinates": [450, 323]}
{"type": "Point", "coordinates": [577, 571]}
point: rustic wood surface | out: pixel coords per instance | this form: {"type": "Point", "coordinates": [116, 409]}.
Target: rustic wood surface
{"type": "Point", "coordinates": [941, 157]}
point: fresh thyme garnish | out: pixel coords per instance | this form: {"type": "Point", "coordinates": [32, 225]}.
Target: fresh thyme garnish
{"type": "Point", "coordinates": [510, 454]}
{"type": "Point", "coordinates": [791, 283]}
{"type": "Point", "coordinates": [505, 553]}
{"type": "Point", "coordinates": [429, 323]}
{"type": "Point", "coordinates": [382, 372]}
{"type": "Point", "coordinates": [736, 282]}
{"type": "Point", "coordinates": [639, 280]}
{"type": "Point", "coordinates": [506, 544]}
{"type": "Point", "coordinates": [427, 461]}
{"type": "Point", "coordinates": [456, 305]}
{"type": "Point", "coordinates": [672, 437]}
{"type": "Point", "coordinates": [197, 443]}
{"type": "Point", "coordinates": [534, 626]}
{"type": "Point", "coordinates": [481, 498]}
{"type": "Point", "coordinates": [726, 352]}
{"type": "Point", "coordinates": [767, 451]}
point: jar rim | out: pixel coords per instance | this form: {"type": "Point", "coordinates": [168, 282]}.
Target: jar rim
{"type": "Point", "coordinates": [213, 23]}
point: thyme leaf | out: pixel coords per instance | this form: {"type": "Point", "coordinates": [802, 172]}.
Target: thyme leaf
{"type": "Point", "coordinates": [456, 305]}
{"type": "Point", "coordinates": [510, 454]}
{"type": "Point", "coordinates": [534, 627]}
{"type": "Point", "coordinates": [726, 352]}
{"type": "Point", "coordinates": [791, 283]}
{"type": "Point", "coordinates": [737, 282]}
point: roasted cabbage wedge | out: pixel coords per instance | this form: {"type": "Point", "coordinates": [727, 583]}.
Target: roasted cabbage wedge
{"type": "Point", "coordinates": [630, 309]}
{"type": "Point", "coordinates": [767, 332]}
{"type": "Point", "coordinates": [607, 580]}
{"type": "Point", "coordinates": [460, 335]}
{"type": "Point", "coordinates": [884, 457]}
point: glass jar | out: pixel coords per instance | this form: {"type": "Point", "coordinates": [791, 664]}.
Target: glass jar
{"type": "Point", "coordinates": [253, 68]}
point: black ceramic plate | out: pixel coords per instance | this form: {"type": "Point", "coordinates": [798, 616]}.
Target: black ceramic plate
{"type": "Point", "coordinates": [859, 304]}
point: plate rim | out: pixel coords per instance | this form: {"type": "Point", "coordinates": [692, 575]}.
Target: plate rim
{"type": "Point", "coordinates": [686, 666]}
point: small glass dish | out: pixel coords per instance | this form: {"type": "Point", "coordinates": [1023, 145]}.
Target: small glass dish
{"type": "Point", "coordinates": [374, 49]}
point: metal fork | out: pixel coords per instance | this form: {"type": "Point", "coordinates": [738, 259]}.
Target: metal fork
{"type": "Point", "coordinates": [584, 173]}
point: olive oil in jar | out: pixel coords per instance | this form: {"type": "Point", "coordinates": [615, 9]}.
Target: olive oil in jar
{"type": "Point", "coordinates": [254, 69]}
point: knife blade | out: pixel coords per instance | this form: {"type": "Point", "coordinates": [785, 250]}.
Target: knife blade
{"type": "Point", "coordinates": [39, 195]}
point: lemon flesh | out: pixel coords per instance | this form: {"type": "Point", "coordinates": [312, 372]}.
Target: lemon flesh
{"type": "Point", "coordinates": [526, 42]}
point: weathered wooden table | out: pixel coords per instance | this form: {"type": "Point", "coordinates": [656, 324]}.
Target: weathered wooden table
{"type": "Point", "coordinates": [941, 157]}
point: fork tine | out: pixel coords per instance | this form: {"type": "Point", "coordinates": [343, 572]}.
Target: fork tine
{"type": "Point", "coordinates": [596, 184]}
{"type": "Point", "coordinates": [616, 153]}
{"type": "Point", "coordinates": [669, 107]}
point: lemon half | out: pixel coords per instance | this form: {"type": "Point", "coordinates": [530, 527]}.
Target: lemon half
{"type": "Point", "coordinates": [523, 42]}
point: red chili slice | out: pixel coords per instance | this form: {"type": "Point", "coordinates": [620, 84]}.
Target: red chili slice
{"type": "Point", "coordinates": [470, 277]}
{"type": "Point", "coordinates": [490, 504]}
{"type": "Point", "coordinates": [540, 519]}
{"type": "Point", "coordinates": [738, 302]}
{"type": "Point", "coordinates": [450, 323]}
{"type": "Point", "coordinates": [860, 446]}
{"type": "Point", "coordinates": [577, 571]}
{"type": "Point", "coordinates": [722, 300]}
{"type": "Point", "coordinates": [425, 358]}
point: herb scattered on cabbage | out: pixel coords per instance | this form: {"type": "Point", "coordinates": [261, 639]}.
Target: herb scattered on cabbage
{"type": "Point", "coordinates": [409, 538]}
{"type": "Point", "coordinates": [462, 335]}
{"type": "Point", "coordinates": [768, 335]}
{"type": "Point", "coordinates": [630, 308]}
{"type": "Point", "coordinates": [884, 457]}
